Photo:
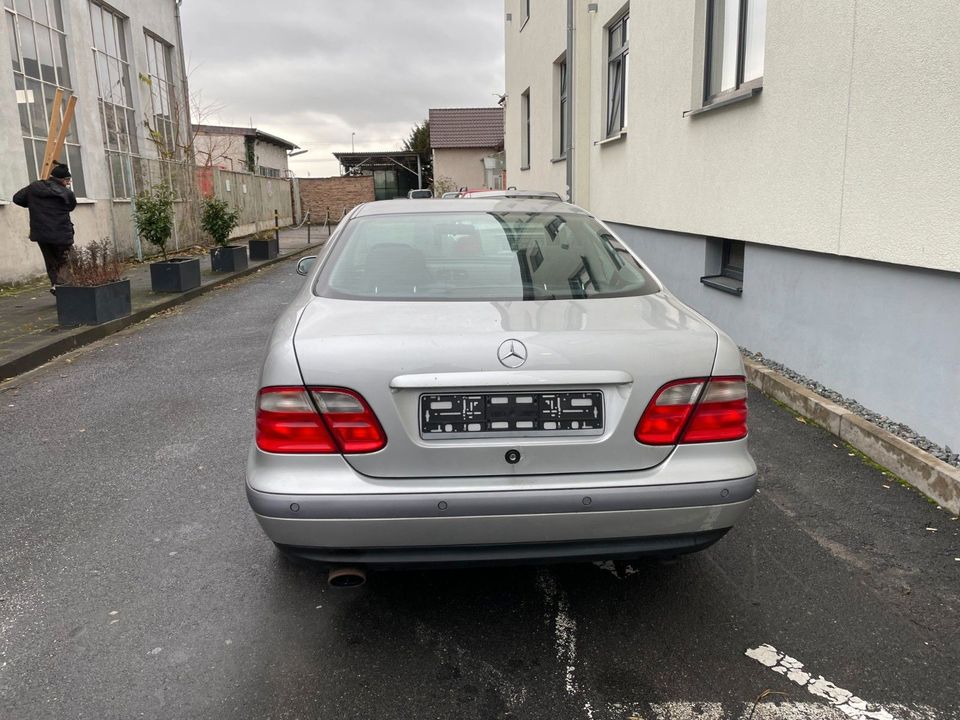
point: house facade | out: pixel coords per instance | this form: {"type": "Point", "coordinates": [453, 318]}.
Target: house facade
{"type": "Point", "coordinates": [124, 65]}
{"type": "Point", "coordinates": [790, 170]}
{"type": "Point", "coordinates": [242, 150]}
{"type": "Point", "coordinates": [466, 145]}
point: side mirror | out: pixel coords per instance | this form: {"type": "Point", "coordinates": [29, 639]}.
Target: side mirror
{"type": "Point", "coordinates": [305, 263]}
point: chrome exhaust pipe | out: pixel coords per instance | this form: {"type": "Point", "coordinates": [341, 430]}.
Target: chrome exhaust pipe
{"type": "Point", "coordinates": [343, 577]}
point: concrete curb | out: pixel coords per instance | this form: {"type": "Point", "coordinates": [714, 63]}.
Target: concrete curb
{"type": "Point", "coordinates": [20, 364]}
{"type": "Point", "coordinates": [929, 474]}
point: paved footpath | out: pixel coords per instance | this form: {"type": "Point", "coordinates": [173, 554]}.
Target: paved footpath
{"type": "Point", "coordinates": [30, 333]}
{"type": "Point", "coordinates": [137, 584]}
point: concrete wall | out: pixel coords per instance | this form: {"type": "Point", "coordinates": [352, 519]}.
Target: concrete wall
{"type": "Point", "coordinates": [256, 197]}
{"type": "Point", "coordinates": [851, 148]}
{"type": "Point", "coordinates": [336, 195]}
{"type": "Point", "coordinates": [98, 215]}
{"type": "Point", "coordinates": [882, 334]}
{"type": "Point", "coordinates": [462, 165]}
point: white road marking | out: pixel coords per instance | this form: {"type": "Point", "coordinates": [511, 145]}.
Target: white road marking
{"type": "Point", "coordinates": [565, 635]}
{"type": "Point", "coordinates": [768, 709]}
{"type": "Point", "coordinates": [844, 700]}
{"type": "Point", "coordinates": [624, 572]}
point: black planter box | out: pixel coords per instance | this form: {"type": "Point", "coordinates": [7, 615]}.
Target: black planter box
{"type": "Point", "coordinates": [175, 275]}
{"type": "Point", "coordinates": [264, 249]}
{"type": "Point", "coordinates": [93, 305]}
{"type": "Point", "coordinates": [228, 259]}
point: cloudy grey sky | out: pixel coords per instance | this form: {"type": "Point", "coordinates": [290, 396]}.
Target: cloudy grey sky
{"type": "Point", "coordinates": [313, 71]}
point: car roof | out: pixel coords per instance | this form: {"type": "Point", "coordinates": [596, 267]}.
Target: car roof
{"type": "Point", "coordinates": [542, 194]}
{"type": "Point", "coordinates": [464, 205]}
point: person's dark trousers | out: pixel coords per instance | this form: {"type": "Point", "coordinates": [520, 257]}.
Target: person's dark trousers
{"type": "Point", "coordinates": [54, 257]}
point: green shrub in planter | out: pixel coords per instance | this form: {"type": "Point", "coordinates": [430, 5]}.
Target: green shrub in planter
{"type": "Point", "coordinates": [218, 221]}
{"type": "Point", "coordinates": [264, 246]}
{"type": "Point", "coordinates": [153, 216]}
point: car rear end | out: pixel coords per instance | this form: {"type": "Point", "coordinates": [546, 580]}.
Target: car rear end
{"type": "Point", "coordinates": [444, 411]}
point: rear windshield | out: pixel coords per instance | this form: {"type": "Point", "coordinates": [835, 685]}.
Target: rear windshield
{"type": "Point", "coordinates": [480, 256]}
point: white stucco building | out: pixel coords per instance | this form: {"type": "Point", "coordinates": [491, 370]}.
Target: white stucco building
{"type": "Point", "coordinates": [122, 61]}
{"type": "Point", "coordinates": [242, 150]}
{"type": "Point", "coordinates": [467, 145]}
{"type": "Point", "coordinates": [789, 169]}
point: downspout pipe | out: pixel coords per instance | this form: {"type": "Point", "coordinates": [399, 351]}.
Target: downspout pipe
{"type": "Point", "coordinates": [190, 162]}
{"type": "Point", "coordinates": [185, 88]}
{"type": "Point", "coordinates": [568, 143]}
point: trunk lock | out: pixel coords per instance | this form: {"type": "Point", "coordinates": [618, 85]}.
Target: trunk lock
{"type": "Point", "coordinates": [512, 456]}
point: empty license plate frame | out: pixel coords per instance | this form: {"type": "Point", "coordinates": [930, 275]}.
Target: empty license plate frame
{"type": "Point", "coordinates": [511, 414]}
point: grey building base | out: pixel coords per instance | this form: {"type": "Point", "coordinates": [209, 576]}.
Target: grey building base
{"type": "Point", "coordinates": [883, 334]}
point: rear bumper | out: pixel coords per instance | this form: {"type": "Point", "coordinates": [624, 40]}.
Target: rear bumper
{"type": "Point", "coordinates": [399, 528]}
{"type": "Point", "coordinates": [471, 555]}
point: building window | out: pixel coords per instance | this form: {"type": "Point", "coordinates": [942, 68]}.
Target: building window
{"type": "Point", "coordinates": [115, 98]}
{"type": "Point", "coordinates": [563, 131]}
{"type": "Point", "coordinates": [618, 46]}
{"type": "Point", "coordinates": [162, 130]}
{"type": "Point", "coordinates": [525, 130]}
{"type": "Point", "coordinates": [38, 53]}
{"type": "Point", "coordinates": [725, 265]}
{"type": "Point", "coordinates": [735, 43]}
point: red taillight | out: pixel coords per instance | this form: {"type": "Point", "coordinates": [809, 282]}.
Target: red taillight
{"type": "Point", "coordinates": [721, 413]}
{"type": "Point", "coordinates": [288, 421]}
{"type": "Point", "coordinates": [351, 421]}
{"type": "Point", "coordinates": [697, 410]}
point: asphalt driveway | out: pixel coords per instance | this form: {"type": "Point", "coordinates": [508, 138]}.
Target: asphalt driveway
{"type": "Point", "coordinates": [135, 583]}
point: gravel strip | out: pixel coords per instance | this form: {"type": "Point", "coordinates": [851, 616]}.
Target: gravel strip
{"type": "Point", "coordinates": [891, 426]}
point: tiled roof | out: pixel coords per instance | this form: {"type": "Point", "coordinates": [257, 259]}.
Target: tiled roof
{"type": "Point", "coordinates": [466, 127]}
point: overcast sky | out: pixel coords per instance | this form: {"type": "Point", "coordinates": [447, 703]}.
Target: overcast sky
{"type": "Point", "coordinates": [314, 71]}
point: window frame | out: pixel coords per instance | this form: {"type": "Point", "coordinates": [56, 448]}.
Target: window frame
{"type": "Point", "coordinates": [741, 88]}
{"type": "Point", "coordinates": [617, 56]}
{"type": "Point", "coordinates": [562, 88]}
{"type": "Point", "coordinates": [127, 153]}
{"type": "Point", "coordinates": [526, 136]}
{"type": "Point", "coordinates": [34, 144]}
{"type": "Point", "coordinates": [162, 89]}
{"type": "Point", "coordinates": [727, 276]}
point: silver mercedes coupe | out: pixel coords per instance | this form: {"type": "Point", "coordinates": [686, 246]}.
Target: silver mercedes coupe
{"type": "Point", "coordinates": [493, 380]}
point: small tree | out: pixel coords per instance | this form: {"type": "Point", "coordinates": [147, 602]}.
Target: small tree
{"type": "Point", "coordinates": [218, 220]}
{"type": "Point", "coordinates": [153, 216]}
{"type": "Point", "coordinates": [419, 142]}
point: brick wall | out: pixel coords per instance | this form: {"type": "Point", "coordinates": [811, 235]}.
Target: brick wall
{"type": "Point", "coordinates": [334, 194]}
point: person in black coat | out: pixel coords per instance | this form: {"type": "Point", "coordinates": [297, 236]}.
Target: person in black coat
{"type": "Point", "coordinates": [50, 203]}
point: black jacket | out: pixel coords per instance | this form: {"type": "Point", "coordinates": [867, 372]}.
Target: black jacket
{"type": "Point", "coordinates": [50, 205]}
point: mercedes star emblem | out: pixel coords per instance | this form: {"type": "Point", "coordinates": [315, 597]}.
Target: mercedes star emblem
{"type": "Point", "coordinates": [512, 353]}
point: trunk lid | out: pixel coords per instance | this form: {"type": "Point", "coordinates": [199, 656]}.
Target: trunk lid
{"type": "Point", "coordinates": [396, 353]}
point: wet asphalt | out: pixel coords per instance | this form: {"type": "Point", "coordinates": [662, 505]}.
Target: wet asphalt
{"type": "Point", "coordinates": [135, 582]}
